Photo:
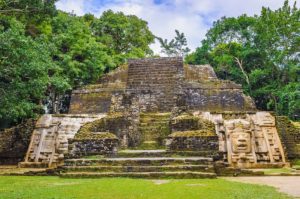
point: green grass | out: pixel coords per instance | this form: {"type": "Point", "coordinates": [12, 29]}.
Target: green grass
{"type": "Point", "coordinates": [296, 162]}
{"type": "Point", "coordinates": [123, 188]}
{"type": "Point", "coordinates": [277, 171]}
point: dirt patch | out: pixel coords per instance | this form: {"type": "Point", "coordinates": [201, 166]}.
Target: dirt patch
{"type": "Point", "coordinates": [159, 182]}
{"type": "Point", "coordinates": [286, 184]}
{"type": "Point", "coordinates": [195, 185]}
{"type": "Point", "coordinates": [64, 183]}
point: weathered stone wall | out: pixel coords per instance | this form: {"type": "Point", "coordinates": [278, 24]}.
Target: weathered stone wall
{"type": "Point", "coordinates": [49, 140]}
{"type": "Point", "coordinates": [156, 81]}
{"type": "Point", "coordinates": [121, 124]}
{"type": "Point", "coordinates": [117, 75]}
{"type": "Point", "coordinates": [188, 122]}
{"type": "Point", "coordinates": [193, 133]}
{"type": "Point", "coordinates": [194, 141]}
{"type": "Point", "coordinates": [103, 146]}
{"type": "Point", "coordinates": [159, 85]}
{"type": "Point", "coordinates": [196, 73]}
{"type": "Point", "coordinates": [14, 142]}
{"type": "Point", "coordinates": [290, 136]}
{"type": "Point", "coordinates": [96, 98]}
{"type": "Point", "coordinates": [115, 123]}
{"type": "Point", "coordinates": [203, 91]}
{"type": "Point", "coordinates": [91, 101]}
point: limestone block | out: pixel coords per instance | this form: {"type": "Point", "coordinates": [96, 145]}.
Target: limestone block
{"type": "Point", "coordinates": [265, 119]}
{"type": "Point", "coordinates": [49, 141]}
{"type": "Point", "coordinates": [239, 142]}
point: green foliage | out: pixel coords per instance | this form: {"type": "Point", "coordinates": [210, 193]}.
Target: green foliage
{"type": "Point", "coordinates": [24, 66]}
{"type": "Point", "coordinates": [261, 53]}
{"type": "Point", "coordinates": [126, 36]}
{"type": "Point", "coordinates": [44, 53]}
{"type": "Point", "coordinates": [175, 47]}
{"type": "Point", "coordinates": [27, 8]}
{"type": "Point", "coordinates": [80, 57]}
{"type": "Point", "coordinates": [34, 14]}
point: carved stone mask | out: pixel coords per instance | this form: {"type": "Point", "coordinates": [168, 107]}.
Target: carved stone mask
{"type": "Point", "coordinates": [241, 141]}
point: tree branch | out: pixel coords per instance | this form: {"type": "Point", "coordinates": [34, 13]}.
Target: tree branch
{"type": "Point", "coordinates": [240, 64]}
{"type": "Point", "coordinates": [19, 10]}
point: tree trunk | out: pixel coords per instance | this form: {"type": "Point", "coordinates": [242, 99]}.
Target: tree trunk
{"type": "Point", "coordinates": [240, 64]}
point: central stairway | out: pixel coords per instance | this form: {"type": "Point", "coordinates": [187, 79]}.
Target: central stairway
{"type": "Point", "coordinates": [154, 127]}
{"type": "Point", "coordinates": [140, 164]}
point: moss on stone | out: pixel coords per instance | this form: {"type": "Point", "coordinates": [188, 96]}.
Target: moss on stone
{"type": "Point", "coordinates": [89, 130]}
{"type": "Point", "coordinates": [197, 133]}
{"type": "Point", "coordinates": [186, 116]}
{"type": "Point", "coordinates": [189, 122]}
{"type": "Point", "coordinates": [290, 135]}
{"type": "Point", "coordinates": [296, 124]}
{"type": "Point", "coordinates": [113, 85]}
{"type": "Point", "coordinates": [206, 125]}
{"type": "Point", "coordinates": [14, 142]}
{"type": "Point", "coordinates": [95, 136]}
{"type": "Point", "coordinates": [154, 127]}
{"type": "Point", "coordinates": [115, 115]}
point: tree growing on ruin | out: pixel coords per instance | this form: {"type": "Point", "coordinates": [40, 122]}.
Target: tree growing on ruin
{"type": "Point", "coordinates": [177, 47]}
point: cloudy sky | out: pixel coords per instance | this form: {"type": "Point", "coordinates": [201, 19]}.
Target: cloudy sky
{"type": "Point", "coordinates": [193, 17]}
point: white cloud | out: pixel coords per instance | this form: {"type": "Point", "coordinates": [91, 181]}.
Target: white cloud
{"type": "Point", "coordinates": [193, 17]}
{"type": "Point", "coordinates": [72, 6]}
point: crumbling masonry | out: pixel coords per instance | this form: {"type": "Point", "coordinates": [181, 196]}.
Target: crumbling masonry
{"type": "Point", "coordinates": [159, 103]}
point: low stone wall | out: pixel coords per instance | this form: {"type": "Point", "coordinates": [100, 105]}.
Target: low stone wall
{"type": "Point", "coordinates": [78, 148]}
{"type": "Point", "coordinates": [117, 124]}
{"type": "Point", "coordinates": [193, 141]}
{"type": "Point", "coordinates": [189, 122]}
{"type": "Point", "coordinates": [14, 142]}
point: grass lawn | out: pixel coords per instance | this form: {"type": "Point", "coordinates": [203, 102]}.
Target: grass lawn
{"type": "Point", "coordinates": [277, 171]}
{"type": "Point", "coordinates": [124, 188]}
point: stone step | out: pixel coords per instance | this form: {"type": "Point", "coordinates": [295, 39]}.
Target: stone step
{"type": "Point", "coordinates": [177, 174]}
{"type": "Point", "coordinates": [149, 144]}
{"type": "Point", "coordinates": [163, 168]}
{"type": "Point", "coordinates": [33, 165]}
{"type": "Point", "coordinates": [154, 123]}
{"type": "Point", "coordinates": [154, 161]}
{"type": "Point", "coordinates": [153, 128]}
{"type": "Point", "coordinates": [162, 153]}
{"type": "Point", "coordinates": [156, 115]}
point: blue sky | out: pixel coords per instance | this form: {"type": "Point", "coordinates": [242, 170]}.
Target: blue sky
{"type": "Point", "coordinates": [193, 17]}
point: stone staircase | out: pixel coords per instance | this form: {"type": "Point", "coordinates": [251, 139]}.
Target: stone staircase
{"type": "Point", "coordinates": [139, 164]}
{"type": "Point", "coordinates": [154, 127]}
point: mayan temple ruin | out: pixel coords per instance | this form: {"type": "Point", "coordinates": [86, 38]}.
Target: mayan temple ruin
{"type": "Point", "coordinates": [159, 117]}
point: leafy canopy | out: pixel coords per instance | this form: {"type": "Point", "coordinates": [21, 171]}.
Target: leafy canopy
{"type": "Point", "coordinates": [45, 53]}
{"type": "Point", "coordinates": [261, 53]}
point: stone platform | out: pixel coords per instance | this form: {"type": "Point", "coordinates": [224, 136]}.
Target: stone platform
{"type": "Point", "coordinates": [142, 164]}
{"type": "Point", "coordinates": [158, 117]}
